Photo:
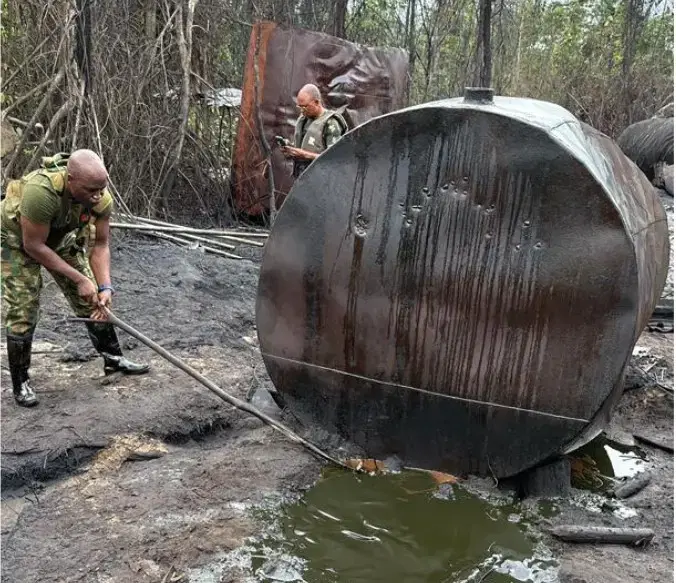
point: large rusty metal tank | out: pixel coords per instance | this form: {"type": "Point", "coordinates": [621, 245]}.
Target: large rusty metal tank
{"type": "Point", "coordinates": [461, 283]}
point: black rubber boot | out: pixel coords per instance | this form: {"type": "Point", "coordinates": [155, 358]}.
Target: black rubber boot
{"type": "Point", "coordinates": [105, 341]}
{"type": "Point", "coordinates": [19, 360]}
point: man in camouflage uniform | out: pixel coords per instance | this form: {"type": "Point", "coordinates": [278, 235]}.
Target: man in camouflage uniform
{"type": "Point", "coordinates": [317, 128]}
{"type": "Point", "coordinates": [47, 217]}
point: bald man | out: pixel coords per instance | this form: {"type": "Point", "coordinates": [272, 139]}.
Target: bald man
{"type": "Point", "coordinates": [46, 220]}
{"type": "Point", "coordinates": [317, 128]}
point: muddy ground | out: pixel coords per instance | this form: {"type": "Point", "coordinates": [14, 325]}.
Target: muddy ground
{"type": "Point", "coordinates": [123, 479]}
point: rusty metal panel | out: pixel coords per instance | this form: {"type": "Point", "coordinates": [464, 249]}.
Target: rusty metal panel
{"type": "Point", "coordinates": [367, 81]}
{"type": "Point", "coordinates": [467, 292]}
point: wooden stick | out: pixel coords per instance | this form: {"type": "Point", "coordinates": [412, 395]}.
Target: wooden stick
{"type": "Point", "coordinates": [602, 534]}
{"type": "Point", "coordinates": [667, 390]}
{"type": "Point", "coordinates": [220, 244]}
{"type": "Point", "coordinates": [649, 441]}
{"type": "Point", "coordinates": [241, 240]}
{"type": "Point", "coordinates": [62, 112]}
{"type": "Point", "coordinates": [185, 242]}
{"type": "Point", "coordinates": [262, 234]}
{"type": "Point", "coordinates": [169, 572]}
{"type": "Point", "coordinates": [190, 230]}
{"type": "Point", "coordinates": [184, 234]}
{"type": "Point", "coordinates": [234, 401]}
{"type": "Point", "coordinates": [55, 82]}
{"type": "Point", "coordinates": [632, 486]}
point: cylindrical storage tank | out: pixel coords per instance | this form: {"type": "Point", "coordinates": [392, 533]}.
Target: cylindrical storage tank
{"type": "Point", "coordinates": [461, 284]}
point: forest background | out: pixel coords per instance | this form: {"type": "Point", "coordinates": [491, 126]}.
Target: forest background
{"type": "Point", "coordinates": [125, 77]}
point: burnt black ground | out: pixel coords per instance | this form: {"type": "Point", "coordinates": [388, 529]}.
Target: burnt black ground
{"type": "Point", "coordinates": [182, 299]}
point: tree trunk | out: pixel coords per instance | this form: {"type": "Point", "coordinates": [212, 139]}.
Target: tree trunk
{"type": "Point", "coordinates": [150, 20]}
{"type": "Point", "coordinates": [340, 12]}
{"type": "Point", "coordinates": [517, 66]}
{"type": "Point", "coordinates": [633, 21]}
{"type": "Point", "coordinates": [484, 55]}
{"type": "Point", "coordinates": [185, 49]}
{"type": "Point", "coordinates": [410, 32]}
{"type": "Point", "coordinates": [83, 42]}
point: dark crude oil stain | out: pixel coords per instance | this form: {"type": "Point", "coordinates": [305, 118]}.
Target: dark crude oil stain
{"type": "Point", "coordinates": [399, 528]}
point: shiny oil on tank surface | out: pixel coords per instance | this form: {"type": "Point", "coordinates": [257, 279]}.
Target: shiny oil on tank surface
{"type": "Point", "coordinates": [461, 284]}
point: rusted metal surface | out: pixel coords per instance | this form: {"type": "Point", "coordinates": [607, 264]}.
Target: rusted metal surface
{"type": "Point", "coordinates": [367, 81]}
{"type": "Point", "coordinates": [648, 143]}
{"type": "Point", "coordinates": [461, 284]}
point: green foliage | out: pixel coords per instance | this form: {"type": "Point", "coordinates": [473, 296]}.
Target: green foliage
{"type": "Point", "coordinates": [571, 52]}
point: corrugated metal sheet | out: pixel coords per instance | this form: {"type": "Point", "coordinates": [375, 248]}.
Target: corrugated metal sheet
{"type": "Point", "coordinates": [367, 81]}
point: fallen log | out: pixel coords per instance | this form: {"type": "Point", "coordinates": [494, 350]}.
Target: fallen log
{"type": "Point", "coordinates": [650, 441]}
{"type": "Point", "coordinates": [632, 486]}
{"type": "Point", "coordinates": [602, 534]}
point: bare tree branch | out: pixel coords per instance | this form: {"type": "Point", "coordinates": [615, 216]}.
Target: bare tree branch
{"type": "Point", "coordinates": [36, 116]}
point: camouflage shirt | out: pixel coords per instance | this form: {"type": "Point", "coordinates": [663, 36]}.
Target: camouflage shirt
{"type": "Point", "coordinates": [43, 198]}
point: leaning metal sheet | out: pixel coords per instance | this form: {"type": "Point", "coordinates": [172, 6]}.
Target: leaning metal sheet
{"type": "Point", "coordinates": [467, 292]}
{"type": "Point", "coordinates": [367, 81]}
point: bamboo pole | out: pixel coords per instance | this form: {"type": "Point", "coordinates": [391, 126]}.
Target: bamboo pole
{"type": "Point", "coordinates": [262, 234]}
{"type": "Point", "coordinates": [191, 230]}
{"type": "Point", "coordinates": [184, 233]}
{"type": "Point", "coordinates": [220, 244]}
{"type": "Point", "coordinates": [234, 401]}
{"type": "Point", "coordinates": [179, 240]}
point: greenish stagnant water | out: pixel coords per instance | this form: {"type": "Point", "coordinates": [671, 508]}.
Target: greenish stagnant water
{"type": "Point", "coordinates": [404, 528]}
{"type": "Point", "coordinates": [398, 528]}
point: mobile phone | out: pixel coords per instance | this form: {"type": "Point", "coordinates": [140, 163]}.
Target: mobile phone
{"type": "Point", "coordinates": [281, 141]}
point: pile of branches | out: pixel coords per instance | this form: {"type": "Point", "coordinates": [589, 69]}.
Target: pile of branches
{"type": "Point", "coordinates": [217, 242]}
{"type": "Point", "coordinates": [119, 78]}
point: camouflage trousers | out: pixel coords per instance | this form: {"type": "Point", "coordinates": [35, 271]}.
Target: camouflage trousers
{"type": "Point", "coordinates": [22, 281]}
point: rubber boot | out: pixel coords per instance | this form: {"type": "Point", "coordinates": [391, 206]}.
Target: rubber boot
{"type": "Point", "coordinates": [105, 341]}
{"type": "Point", "coordinates": [19, 360]}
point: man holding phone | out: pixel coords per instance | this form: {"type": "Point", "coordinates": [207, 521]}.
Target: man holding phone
{"type": "Point", "coordinates": [317, 129]}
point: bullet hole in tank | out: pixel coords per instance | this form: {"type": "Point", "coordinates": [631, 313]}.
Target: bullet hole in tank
{"type": "Point", "coordinates": [361, 225]}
